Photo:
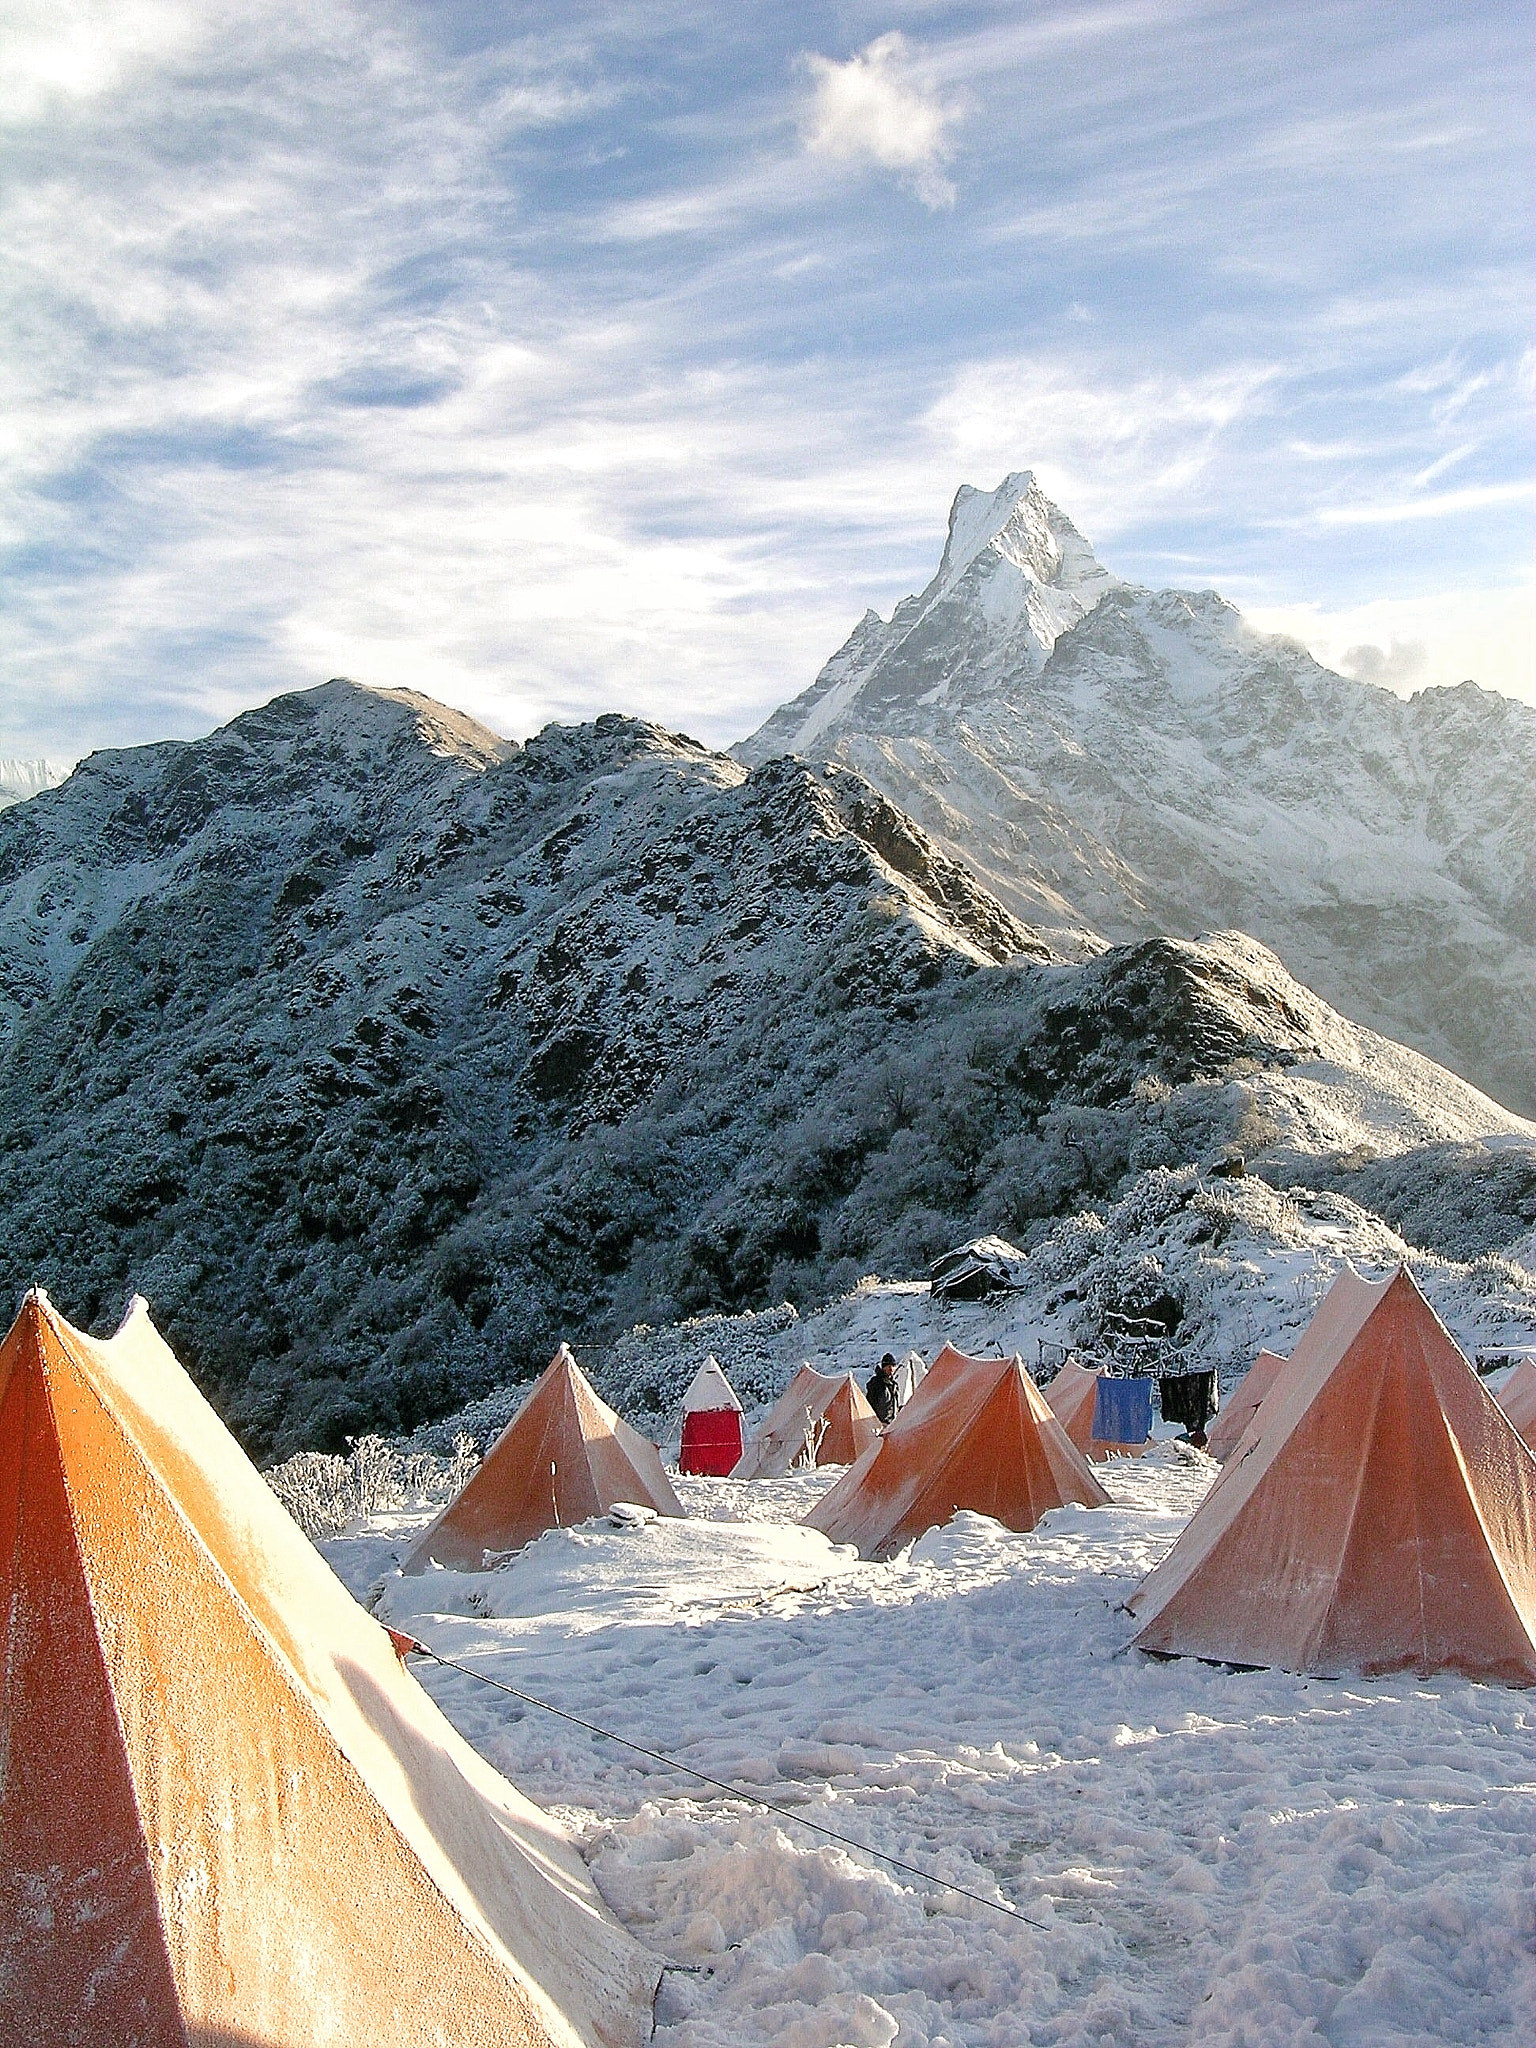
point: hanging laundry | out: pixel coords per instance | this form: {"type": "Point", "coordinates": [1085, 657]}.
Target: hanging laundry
{"type": "Point", "coordinates": [1189, 1399]}
{"type": "Point", "coordinates": [1122, 1410]}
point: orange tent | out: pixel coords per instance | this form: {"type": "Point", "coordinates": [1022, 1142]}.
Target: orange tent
{"type": "Point", "coordinates": [1518, 1400]}
{"type": "Point", "coordinates": [1070, 1399]}
{"type": "Point", "coordinates": [821, 1418]}
{"type": "Point", "coordinates": [227, 1812]}
{"type": "Point", "coordinates": [1241, 1405]}
{"type": "Point", "coordinates": [563, 1458]}
{"type": "Point", "coordinates": [976, 1435]}
{"type": "Point", "coordinates": [1383, 1519]}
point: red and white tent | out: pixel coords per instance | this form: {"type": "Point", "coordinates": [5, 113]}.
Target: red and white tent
{"type": "Point", "coordinates": [711, 1424]}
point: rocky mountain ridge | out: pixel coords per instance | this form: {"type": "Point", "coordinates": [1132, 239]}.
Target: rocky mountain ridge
{"type": "Point", "coordinates": [381, 1052]}
{"type": "Point", "coordinates": [1115, 762]}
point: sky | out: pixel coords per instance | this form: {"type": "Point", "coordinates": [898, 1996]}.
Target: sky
{"type": "Point", "coordinates": [563, 358]}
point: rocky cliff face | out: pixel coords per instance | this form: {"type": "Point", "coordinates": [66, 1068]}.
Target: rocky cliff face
{"type": "Point", "coordinates": [1115, 762]}
{"type": "Point", "coordinates": [380, 1052]}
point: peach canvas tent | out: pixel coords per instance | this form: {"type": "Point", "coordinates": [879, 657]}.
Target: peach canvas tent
{"type": "Point", "coordinates": [1382, 1519]}
{"type": "Point", "coordinates": [563, 1458]}
{"type": "Point", "coordinates": [1070, 1399]}
{"type": "Point", "coordinates": [821, 1418]}
{"type": "Point", "coordinates": [228, 1814]}
{"type": "Point", "coordinates": [977, 1434]}
{"type": "Point", "coordinates": [1241, 1405]}
{"type": "Point", "coordinates": [1518, 1400]}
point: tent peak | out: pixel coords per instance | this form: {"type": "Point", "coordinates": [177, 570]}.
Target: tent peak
{"type": "Point", "coordinates": [138, 1310]}
{"type": "Point", "coordinates": [710, 1389]}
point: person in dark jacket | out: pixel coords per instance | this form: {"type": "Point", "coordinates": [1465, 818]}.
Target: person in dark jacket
{"type": "Point", "coordinates": [881, 1391]}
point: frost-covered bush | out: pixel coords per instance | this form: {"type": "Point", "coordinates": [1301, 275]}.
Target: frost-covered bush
{"type": "Point", "coordinates": [647, 1372]}
{"type": "Point", "coordinates": [1247, 1265]}
{"type": "Point", "coordinates": [1458, 1200]}
{"type": "Point", "coordinates": [477, 1424]}
{"type": "Point", "coordinates": [325, 1494]}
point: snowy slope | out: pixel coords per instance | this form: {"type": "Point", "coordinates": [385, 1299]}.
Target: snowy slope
{"type": "Point", "coordinates": [381, 1053]}
{"type": "Point", "coordinates": [21, 779]}
{"type": "Point", "coordinates": [1114, 762]}
{"type": "Point", "coordinates": [1245, 1263]}
{"type": "Point", "coordinates": [1193, 1854]}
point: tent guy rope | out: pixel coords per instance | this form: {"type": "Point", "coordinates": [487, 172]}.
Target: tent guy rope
{"type": "Point", "coordinates": [407, 1645]}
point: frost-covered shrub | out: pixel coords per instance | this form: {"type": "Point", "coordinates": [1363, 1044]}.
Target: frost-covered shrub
{"type": "Point", "coordinates": [1458, 1200]}
{"type": "Point", "coordinates": [325, 1494]}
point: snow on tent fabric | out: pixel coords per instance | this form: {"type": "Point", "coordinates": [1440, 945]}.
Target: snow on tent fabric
{"type": "Point", "coordinates": [1070, 1398]}
{"type": "Point", "coordinates": [1518, 1400]}
{"type": "Point", "coordinates": [228, 1812]}
{"type": "Point", "coordinates": [711, 1424]}
{"type": "Point", "coordinates": [1383, 1518]}
{"type": "Point", "coordinates": [1122, 1410]}
{"type": "Point", "coordinates": [820, 1419]}
{"type": "Point", "coordinates": [563, 1458]}
{"type": "Point", "coordinates": [976, 1435]}
{"type": "Point", "coordinates": [1241, 1405]}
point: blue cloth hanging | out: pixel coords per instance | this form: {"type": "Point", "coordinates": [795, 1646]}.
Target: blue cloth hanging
{"type": "Point", "coordinates": [1122, 1410]}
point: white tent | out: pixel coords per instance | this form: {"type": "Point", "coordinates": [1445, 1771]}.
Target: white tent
{"type": "Point", "coordinates": [909, 1374]}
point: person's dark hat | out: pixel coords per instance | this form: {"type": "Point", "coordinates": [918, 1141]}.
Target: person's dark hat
{"type": "Point", "coordinates": [888, 1363]}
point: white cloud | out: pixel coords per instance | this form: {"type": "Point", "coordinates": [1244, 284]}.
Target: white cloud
{"type": "Point", "coordinates": [1112, 445]}
{"type": "Point", "coordinates": [58, 51]}
{"type": "Point", "coordinates": [1415, 643]}
{"type": "Point", "coordinates": [1398, 667]}
{"type": "Point", "coordinates": [875, 108]}
{"type": "Point", "coordinates": [1438, 505]}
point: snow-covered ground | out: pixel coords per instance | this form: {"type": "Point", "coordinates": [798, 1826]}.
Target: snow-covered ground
{"type": "Point", "coordinates": [1193, 1854]}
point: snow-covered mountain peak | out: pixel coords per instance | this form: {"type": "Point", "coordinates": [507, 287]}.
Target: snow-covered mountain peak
{"type": "Point", "coordinates": [1018, 525]}
{"type": "Point", "coordinates": [1014, 576]}
{"type": "Point", "coordinates": [1116, 762]}
{"type": "Point", "coordinates": [22, 779]}
{"type": "Point", "coordinates": [357, 718]}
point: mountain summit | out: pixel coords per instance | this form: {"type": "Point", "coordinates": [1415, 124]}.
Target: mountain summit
{"type": "Point", "coordinates": [1015, 575]}
{"type": "Point", "coordinates": [1116, 762]}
